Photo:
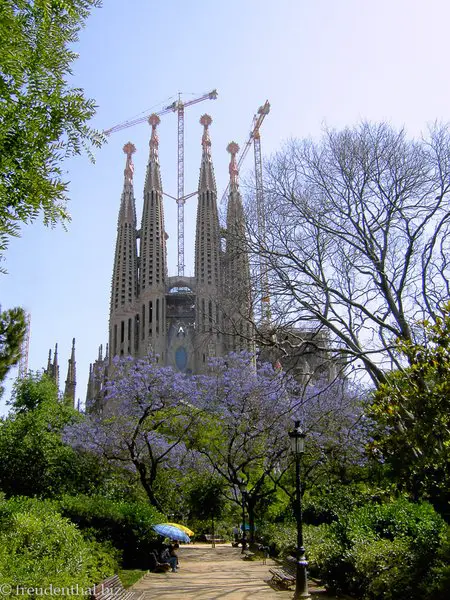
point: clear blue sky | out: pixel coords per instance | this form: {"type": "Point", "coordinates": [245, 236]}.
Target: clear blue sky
{"type": "Point", "coordinates": [318, 62]}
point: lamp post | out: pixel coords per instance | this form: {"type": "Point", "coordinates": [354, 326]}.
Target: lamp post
{"type": "Point", "coordinates": [243, 488]}
{"type": "Point", "coordinates": [297, 439]}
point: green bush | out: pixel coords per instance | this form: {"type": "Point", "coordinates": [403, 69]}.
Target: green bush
{"type": "Point", "coordinates": [39, 548]}
{"type": "Point", "coordinates": [328, 504]}
{"type": "Point", "coordinates": [436, 584]}
{"type": "Point", "coordinates": [382, 551]}
{"type": "Point", "coordinates": [126, 525]}
{"type": "Point", "coordinates": [282, 541]}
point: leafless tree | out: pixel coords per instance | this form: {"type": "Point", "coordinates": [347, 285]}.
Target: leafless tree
{"type": "Point", "coordinates": [357, 237]}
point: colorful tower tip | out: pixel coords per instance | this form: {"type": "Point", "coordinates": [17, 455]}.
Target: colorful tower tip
{"type": "Point", "coordinates": [154, 120]}
{"type": "Point", "coordinates": [233, 149]}
{"type": "Point", "coordinates": [129, 149]}
{"type": "Point", "coordinates": [206, 121]}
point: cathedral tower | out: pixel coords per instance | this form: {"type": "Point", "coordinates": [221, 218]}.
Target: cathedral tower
{"type": "Point", "coordinates": [237, 302]}
{"type": "Point", "coordinates": [122, 322]}
{"type": "Point", "coordinates": [208, 279]}
{"type": "Point", "coordinates": [153, 263]}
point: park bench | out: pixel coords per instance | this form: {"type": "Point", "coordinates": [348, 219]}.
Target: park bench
{"type": "Point", "coordinates": [284, 574]}
{"type": "Point", "coordinates": [111, 589]}
{"type": "Point", "coordinates": [213, 539]}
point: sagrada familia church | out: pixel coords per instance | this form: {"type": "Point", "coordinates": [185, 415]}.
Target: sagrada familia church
{"type": "Point", "coordinates": [183, 321]}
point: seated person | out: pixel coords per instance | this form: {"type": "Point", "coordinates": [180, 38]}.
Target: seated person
{"type": "Point", "coordinates": [155, 566]}
{"type": "Point", "coordinates": [173, 551]}
{"type": "Point", "coordinates": [168, 558]}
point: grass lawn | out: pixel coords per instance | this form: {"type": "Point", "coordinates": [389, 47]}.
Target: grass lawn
{"type": "Point", "coordinates": [130, 576]}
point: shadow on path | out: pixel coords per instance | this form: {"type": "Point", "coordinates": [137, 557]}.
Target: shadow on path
{"type": "Point", "coordinates": [208, 573]}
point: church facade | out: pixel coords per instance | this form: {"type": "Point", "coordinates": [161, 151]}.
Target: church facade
{"type": "Point", "coordinates": [183, 321]}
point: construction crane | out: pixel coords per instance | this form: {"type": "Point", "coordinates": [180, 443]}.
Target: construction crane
{"type": "Point", "coordinates": [254, 133]}
{"type": "Point", "coordinates": [261, 215]}
{"type": "Point", "coordinates": [24, 348]}
{"type": "Point", "coordinates": [255, 138]}
{"type": "Point", "coordinates": [176, 106]}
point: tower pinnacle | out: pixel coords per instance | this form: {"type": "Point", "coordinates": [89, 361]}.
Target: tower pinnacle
{"type": "Point", "coordinates": [71, 380]}
{"type": "Point", "coordinates": [154, 121]}
{"type": "Point", "coordinates": [129, 150]}
{"type": "Point", "coordinates": [206, 121]}
{"type": "Point", "coordinates": [233, 149]}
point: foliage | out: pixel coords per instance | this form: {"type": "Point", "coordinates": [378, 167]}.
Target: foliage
{"type": "Point", "coordinates": [31, 391]}
{"type": "Point", "coordinates": [43, 120]}
{"type": "Point", "coordinates": [12, 333]}
{"type": "Point", "coordinates": [328, 503]}
{"type": "Point", "coordinates": [243, 431]}
{"type": "Point", "coordinates": [148, 411]}
{"type": "Point", "coordinates": [126, 525]}
{"type": "Point", "coordinates": [411, 414]}
{"type": "Point", "coordinates": [356, 239]}
{"type": "Point", "coordinates": [39, 548]}
{"type": "Point", "coordinates": [436, 584]}
{"type": "Point", "coordinates": [230, 424]}
{"type": "Point", "coordinates": [382, 551]}
{"type": "Point", "coordinates": [206, 499]}
{"type": "Point", "coordinates": [35, 461]}
{"type": "Point", "coordinates": [333, 418]}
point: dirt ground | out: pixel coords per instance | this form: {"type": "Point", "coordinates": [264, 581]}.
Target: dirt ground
{"type": "Point", "coordinates": [208, 573]}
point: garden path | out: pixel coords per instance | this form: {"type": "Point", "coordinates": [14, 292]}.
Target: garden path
{"type": "Point", "coordinates": [208, 573]}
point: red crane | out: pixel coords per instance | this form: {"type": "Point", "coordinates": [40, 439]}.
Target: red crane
{"type": "Point", "coordinates": [255, 138]}
{"type": "Point", "coordinates": [176, 106]}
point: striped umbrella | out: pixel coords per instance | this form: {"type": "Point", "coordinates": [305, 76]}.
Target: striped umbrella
{"type": "Point", "coordinates": [182, 527]}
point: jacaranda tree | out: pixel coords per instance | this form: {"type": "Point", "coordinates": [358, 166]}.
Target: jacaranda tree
{"type": "Point", "coordinates": [148, 410]}
{"type": "Point", "coordinates": [243, 432]}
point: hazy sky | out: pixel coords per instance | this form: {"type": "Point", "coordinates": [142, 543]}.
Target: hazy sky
{"type": "Point", "coordinates": [318, 62]}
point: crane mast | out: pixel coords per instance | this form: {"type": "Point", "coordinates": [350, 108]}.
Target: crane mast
{"type": "Point", "coordinates": [261, 217]}
{"type": "Point", "coordinates": [180, 196]}
{"type": "Point", "coordinates": [177, 106]}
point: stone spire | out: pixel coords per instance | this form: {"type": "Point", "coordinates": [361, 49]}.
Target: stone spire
{"type": "Point", "coordinates": [207, 254]}
{"type": "Point", "coordinates": [151, 311]}
{"type": "Point", "coordinates": [153, 175]}
{"type": "Point", "coordinates": [90, 392]}
{"type": "Point", "coordinates": [238, 315]}
{"type": "Point", "coordinates": [207, 179]}
{"type": "Point", "coordinates": [48, 370]}
{"type": "Point", "coordinates": [125, 271]}
{"type": "Point", "coordinates": [54, 372]}
{"type": "Point", "coordinates": [233, 149]}
{"type": "Point", "coordinates": [71, 380]}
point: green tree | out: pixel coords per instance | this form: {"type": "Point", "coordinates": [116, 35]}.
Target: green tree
{"type": "Point", "coordinates": [31, 391]}
{"type": "Point", "coordinates": [207, 500]}
{"type": "Point", "coordinates": [12, 332]}
{"type": "Point", "coordinates": [411, 414]}
{"type": "Point", "coordinates": [34, 459]}
{"type": "Point", "coordinates": [43, 119]}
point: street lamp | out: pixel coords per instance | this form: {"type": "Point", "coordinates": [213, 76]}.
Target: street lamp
{"type": "Point", "coordinates": [297, 439]}
{"type": "Point", "coordinates": [243, 488]}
